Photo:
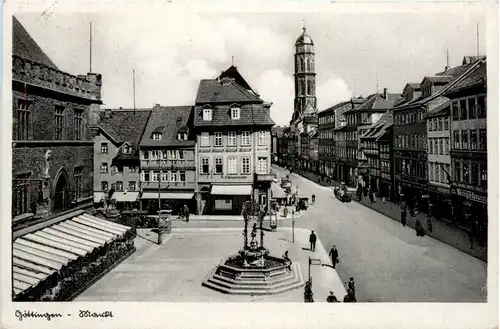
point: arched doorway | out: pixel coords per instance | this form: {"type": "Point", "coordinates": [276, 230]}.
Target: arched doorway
{"type": "Point", "coordinates": [61, 193]}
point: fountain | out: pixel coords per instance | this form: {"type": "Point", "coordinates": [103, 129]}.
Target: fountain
{"type": "Point", "coordinates": [253, 270]}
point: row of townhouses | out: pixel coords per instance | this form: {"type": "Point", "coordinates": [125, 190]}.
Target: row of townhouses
{"type": "Point", "coordinates": [426, 145]}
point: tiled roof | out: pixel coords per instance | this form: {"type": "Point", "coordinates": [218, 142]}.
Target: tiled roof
{"type": "Point", "coordinates": [173, 119]}
{"type": "Point", "coordinates": [24, 46]}
{"type": "Point", "coordinates": [414, 85]}
{"type": "Point", "coordinates": [441, 107]}
{"type": "Point", "coordinates": [377, 102]}
{"type": "Point", "coordinates": [440, 79]}
{"type": "Point", "coordinates": [474, 78]}
{"type": "Point", "coordinates": [378, 129]}
{"type": "Point", "coordinates": [333, 108]}
{"type": "Point", "coordinates": [253, 114]}
{"type": "Point", "coordinates": [125, 125]}
{"type": "Point", "coordinates": [233, 73]}
{"type": "Point", "coordinates": [218, 91]}
{"type": "Point", "coordinates": [470, 59]}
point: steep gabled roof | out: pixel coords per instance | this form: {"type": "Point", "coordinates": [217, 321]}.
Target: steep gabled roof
{"type": "Point", "coordinates": [474, 78]}
{"type": "Point", "coordinates": [172, 119]}
{"type": "Point", "coordinates": [253, 114]}
{"type": "Point", "coordinates": [125, 125]}
{"type": "Point", "coordinates": [233, 73]}
{"type": "Point", "coordinates": [379, 128]}
{"type": "Point", "coordinates": [24, 46]}
{"type": "Point", "coordinates": [215, 91]}
{"type": "Point", "coordinates": [376, 102]}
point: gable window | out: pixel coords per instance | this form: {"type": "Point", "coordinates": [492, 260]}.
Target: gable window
{"type": "Point", "coordinates": [23, 120]}
{"type": "Point", "coordinates": [104, 148]}
{"type": "Point", "coordinates": [245, 138]}
{"type": "Point", "coordinates": [262, 137]}
{"type": "Point", "coordinates": [235, 112]}
{"type": "Point", "coordinates": [207, 114]}
{"type": "Point", "coordinates": [156, 136]}
{"type": "Point", "coordinates": [218, 165]}
{"type": "Point", "coordinates": [59, 123]}
{"type": "Point", "coordinates": [231, 138]}
{"type": "Point", "coordinates": [104, 186]}
{"type": "Point", "coordinates": [205, 166]}
{"type": "Point", "coordinates": [231, 165]}
{"type": "Point", "coordinates": [205, 139]}
{"type": "Point", "coordinates": [218, 139]}
{"type": "Point", "coordinates": [104, 167]}
{"type": "Point", "coordinates": [126, 149]}
{"type": "Point", "coordinates": [78, 173]}
{"type": "Point", "coordinates": [78, 120]}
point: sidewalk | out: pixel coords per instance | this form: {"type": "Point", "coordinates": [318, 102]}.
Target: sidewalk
{"type": "Point", "coordinates": [442, 230]}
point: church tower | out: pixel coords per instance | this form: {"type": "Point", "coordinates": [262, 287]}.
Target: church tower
{"type": "Point", "coordinates": [305, 76]}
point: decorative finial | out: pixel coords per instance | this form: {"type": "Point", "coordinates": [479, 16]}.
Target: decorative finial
{"type": "Point", "coordinates": [304, 26]}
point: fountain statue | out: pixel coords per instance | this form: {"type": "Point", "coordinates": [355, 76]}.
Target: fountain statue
{"type": "Point", "coordinates": [253, 270]}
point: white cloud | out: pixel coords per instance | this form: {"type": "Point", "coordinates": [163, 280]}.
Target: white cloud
{"type": "Point", "coordinates": [276, 87]}
{"type": "Point", "coordinates": [332, 92]}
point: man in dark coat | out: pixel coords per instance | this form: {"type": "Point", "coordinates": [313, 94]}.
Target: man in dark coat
{"type": "Point", "coordinates": [312, 241]}
{"type": "Point", "coordinates": [186, 213]}
{"type": "Point", "coordinates": [419, 229]}
{"type": "Point", "coordinates": [403, 213]}
{"type": "Point", "coordinates": [331, 298]}
{"type": "Point", "coordinates": [352, 286]}
{"type": "Point", "coordinates": [334, 254]}
{"type": "Point", "coordinates": [349, 298]}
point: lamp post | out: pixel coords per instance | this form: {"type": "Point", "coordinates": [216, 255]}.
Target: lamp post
{"type": "Point", "coordinates": [293, 226]}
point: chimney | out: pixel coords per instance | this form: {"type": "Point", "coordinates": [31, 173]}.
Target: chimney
{"type": "Point", "coordinates": [386, 94]}
{"type": "Point", "coordinates": [108, 113]}
{"type": "Point", "coordinates": [156, 107]}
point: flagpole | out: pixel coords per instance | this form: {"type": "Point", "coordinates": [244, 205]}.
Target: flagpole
{"type": "Point", "coordinates": [133, 86]}
{"type": "Point", "coordinates": [90, 41]}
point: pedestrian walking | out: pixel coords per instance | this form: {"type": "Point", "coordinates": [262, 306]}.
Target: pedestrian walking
{"type": "Point", "coordinates": [285, 212]}
{"type": "Point", "coordinates": [372, 197]}
{"type": "Point", "coordinates": [312, 241]}
{"type": "Point", "coordinates": [186, 213]}
{"type": "Point", "coordinates": [334, 255]}
{"type": "Point", "coordinates": [313, 198]}
{"type": "Point", "coordinates": [331, 298]}
{"type": "Point", "coordinates": [429, 219]}
{"type": "Point", "coordinates": [403, 213]}
{"type": "Point", "coordinates": [351, 285]}
{"type": "Point", "coordinates": [308, 294]}
{"type": "Point", "coordinates": [419, 229]}
{"type": "Point", "coordinates": [288, 260]}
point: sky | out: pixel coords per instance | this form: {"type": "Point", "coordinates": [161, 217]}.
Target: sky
{"type": "Point", "coordinates": [170, 54]}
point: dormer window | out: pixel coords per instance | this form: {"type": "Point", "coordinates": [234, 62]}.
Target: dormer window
{"type": "Point", "coordinates": [182, 136]}
{"type": "Point", "coordinates": [207, 114]}
{"type": "Point", "coordinates": [156, 136]}
{"type": "Point", "coordinates": [235, 112]}
{"type": "Point", "coordinates": [127, 149]}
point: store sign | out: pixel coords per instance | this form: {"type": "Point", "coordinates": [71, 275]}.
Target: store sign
{"type": "Point", "coordinates": [469, 195]}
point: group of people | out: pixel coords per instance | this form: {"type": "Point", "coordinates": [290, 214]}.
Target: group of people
{"type": "Point", "coordinates": [419, 228]}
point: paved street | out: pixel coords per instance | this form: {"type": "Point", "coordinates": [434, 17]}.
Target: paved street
{"type": "Point", "coordinates": [174, 271]}
{"type": "Point", "coordinates": [389, 263]}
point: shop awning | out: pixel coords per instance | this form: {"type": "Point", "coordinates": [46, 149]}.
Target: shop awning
{"type": "Point", "coordinates": [277, 192]}
{"type": "Point", "coordinates": [38, 255]}
{"type": "Point", "coordinates": [231, 190]}
{"type": "Point", "coordinates": [98, 196]}
{"type": "Point", "coordinates": [124, 196]}
{"type": "Point", "coordinates": [167, 196]}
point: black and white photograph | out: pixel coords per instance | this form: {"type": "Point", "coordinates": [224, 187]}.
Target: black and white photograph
{"type": "Point", "coordinates": [244, 156]}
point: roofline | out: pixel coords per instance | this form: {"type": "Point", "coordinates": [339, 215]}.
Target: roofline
{"type": "Point", "coordinates": [108, 135]}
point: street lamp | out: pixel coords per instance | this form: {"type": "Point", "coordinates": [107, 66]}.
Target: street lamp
{"type": "Point", "coordinates": [293, 226]}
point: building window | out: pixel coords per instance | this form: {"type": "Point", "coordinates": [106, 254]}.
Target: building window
{"type": "Point", "coordinates": [262, 138]}
{"type": "Point", "coordinates": [466, 172]}
{"type": "Point", "coordinates": [205, 139]}
{"type": "Point", "coordinates": [472, 108]}
{"type": "Point", "coordinates": [104, 148]}
{"type": "Point", "coordinates": [205, 166]}
{"type": "Point", "coordinates": [180, 154]}
{"type": "Point", "coordinates": [23, 120]}
{"type": "Point", "coordinates": [484, 174]}
{"type": "Point", "coordinates": [157, 136]}
{"type": "Point", "coordinates": [473, 139]}
{"type": "Point", "coordinates": [463, 109]}
{"type": "Point", "coordinates": [146, 176]}
{"type": "Point", "coordinates": [207, 114]}
{"type": "Point", "coordinates": [104, 186]}
{"type": "Point", "coordinates": [441, 146]}
{"type": "Point", "coordinates": [446, 123]}
{"type": "Point", "coordinates": [245, 165]}
{"type": "Point", "coordinates": [155, 155]}
{"type": "Point", "coordinates": [59, 123]}
{"type": "Point", "coordinates": [182, 176]}
{"type": "Point", "coordinates": [482, 139]}
{"type": "Point", "coordinates": [173, 176]}
{"type": "Point", "coordinates": [164, 176]}
{"type": "Point", "coordinates": [481, 107]}
{"type": "Point", "coordinates": [458, 172]}
{"type": "Point", "coordinates": [436, 172]}
{"type": "Point", "coordinates": [231, 138]}
{"type": "Point", "coordinates": [218, 139]}
{"type": "Point", "coordinates": [145, 155]}
{"type": "Point", "coordinates": [78, 125]}
{"type": "Point", "coordinates": [231, 166]}
{"type": "Point", "coordinates": [156, 176]}
{"type": "Point", "coordinates": [262, 168]}
{"type": "Point", "coordinates": [20, 195]}
{"type": "Point", "coordinates": [465, 139]}
{"type": "Point", "coordinates": [218, 165]}
{"type": "Point", "coordinates": [104, 167]}
{"type": "Point", "coordinates": [446, 146]}
{"type": "Point", "coordinates": [132, 169]}
{"type": "Point", "coordinates": [474, 173]}
{"type": "Point", "coordinates": [245, 138]}
{"type": "Point", "coordinates": [441, 123]}
{"type": "Point", "coordinates": [127, 149]}
{"type": "Point", "coordinates": [456, 139]}
{"type": "Point", "coordinates": [78, 173]}
{"type": "Point", "coordinates": [454, 111]}
{"type": "Point", "coordinates": [132, 186]}
{"type": "Point", "coordinates": [235, 113]}
{"type": "Point", "coordinates": [119, 186]}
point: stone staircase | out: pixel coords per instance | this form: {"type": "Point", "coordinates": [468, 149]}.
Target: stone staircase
{"type": "Point", "coordinates": [227, 281]}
